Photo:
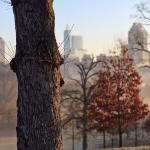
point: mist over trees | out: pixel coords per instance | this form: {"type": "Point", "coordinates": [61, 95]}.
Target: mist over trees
{"type": "Point", "coordinates": [116, 102]}
{"type": "Point", "coordinates": [78, 95]}
{"type": "Point", "coordinates": [101, 96]}
{"type": "Point", "coordinates": [8, 95]}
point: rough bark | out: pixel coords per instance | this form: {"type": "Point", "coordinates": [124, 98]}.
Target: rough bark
{"type": "Point", "coordinates": [36, 64]}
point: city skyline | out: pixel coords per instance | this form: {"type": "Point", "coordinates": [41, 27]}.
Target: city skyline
{"type": "Point", "coordinates": [100, 23]}
{"type": "Point", "coordinates": [77, 77]}
{"type": "Point", "coordinates": [71, 42]}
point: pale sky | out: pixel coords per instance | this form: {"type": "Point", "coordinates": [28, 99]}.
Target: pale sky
{"type": "Point", "coordinates": [100, 22]}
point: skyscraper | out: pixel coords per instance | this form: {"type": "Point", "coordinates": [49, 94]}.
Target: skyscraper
{"type": "Point", "coordinates": [67, 40]}
{"type": "Point", "coordinates": [73, 44]}
{"type": "Point", "coordinates": [77, 42]}
{"type": "Point", "coordinates": [137, 42]}
{"type": "Point", "coordinates": [2, 50]}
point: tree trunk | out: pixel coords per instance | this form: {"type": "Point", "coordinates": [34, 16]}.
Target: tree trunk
{"type": "Point", "coordinates": [112, 142]}
{"type": "Point", "coordinates": [85, 105]}
{"type": "Point", "coordinates": [136, 134]}
{"type": "Point", "coordinates": [73, 135]}
{"type": "Point", "coordinates": [36, 64]}
{"type": "Point", "coordinates": [104, 140]}
{"type": "Point", "coordinates": [120, 137]}
{"type": "Point", "coordinates": [84, 140]}
{"type": "Point", "coordinates": [84, 134]}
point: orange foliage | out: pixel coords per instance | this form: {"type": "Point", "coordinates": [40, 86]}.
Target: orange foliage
{"type": "Point", "coordinates": [116, 102]}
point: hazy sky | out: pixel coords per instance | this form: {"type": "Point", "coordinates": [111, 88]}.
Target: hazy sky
{"type": "Point", "coordinates": [100, 22]}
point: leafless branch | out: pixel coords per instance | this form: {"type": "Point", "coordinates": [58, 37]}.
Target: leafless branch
{"type": "Point", "coordinates": [140, 49]}
{"type": "Point", "coordinates": [143, 10]}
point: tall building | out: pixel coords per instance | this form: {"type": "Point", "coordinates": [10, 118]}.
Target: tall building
{"type": "Point", "coordinates": [67, 40]}
{"type": "Point", "coordinates": [2, 50]}
{"type": "Point", "coordinates": [137, 42]}
{"type": "Point", "coordinates": [73, 44]}
{"type": "Point", "coordinates": [76, 42]}
{"type": "Point", "coordinates": [77, 46]}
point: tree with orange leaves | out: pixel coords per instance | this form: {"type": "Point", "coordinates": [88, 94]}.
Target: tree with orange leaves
{"type": "Point", "coordinates": [116, 102]}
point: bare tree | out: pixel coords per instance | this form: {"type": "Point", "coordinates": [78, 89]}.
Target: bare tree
{"type": "Point", "coordinates": [143, 13]}
{"type": "Point", "coordinates": [79, 95]}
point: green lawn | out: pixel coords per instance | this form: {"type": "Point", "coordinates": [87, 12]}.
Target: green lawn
{"type": "Point", "coordinates": [129, 148]}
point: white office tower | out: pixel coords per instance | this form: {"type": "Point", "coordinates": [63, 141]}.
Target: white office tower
{"type": "Point", "coordinates": [77, 42]}
{"type": "Point", "coordinates": [137, 42]}
{"type": "Point", "coordinates": [67, 40]}
{"type": "Point", "coordinates": [73, 45]}
{"type": "Point", "coordinates": [2, 50]}
{"type": "Point", "coordinates": [77, 46]}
